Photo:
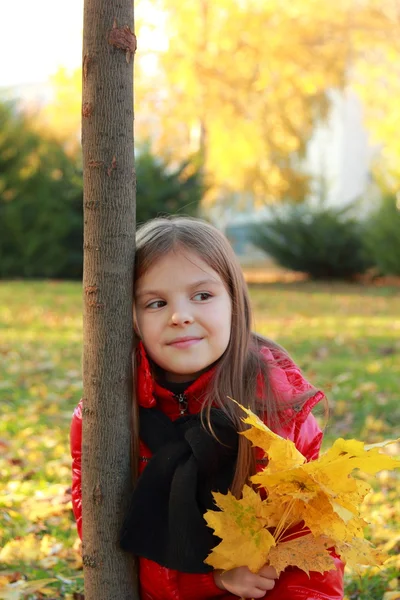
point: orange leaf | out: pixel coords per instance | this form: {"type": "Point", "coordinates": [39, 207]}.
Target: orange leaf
{"type": "Point", "coordinates": [307, 553]}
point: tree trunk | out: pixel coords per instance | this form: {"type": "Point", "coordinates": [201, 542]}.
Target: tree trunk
{"type": "Point", "coordinates": [109, 233]}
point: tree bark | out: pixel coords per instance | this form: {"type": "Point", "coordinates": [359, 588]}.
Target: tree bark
{"type": "Point", "coordinates": [109, 234]}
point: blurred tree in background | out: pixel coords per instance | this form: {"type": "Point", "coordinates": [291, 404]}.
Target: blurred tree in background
{"type": "Point", "coordinates": [375, 78]}
{"type": "Point", "coordinates": [246, 83]}
{"type": "Point", "coordinates": [62, 116]}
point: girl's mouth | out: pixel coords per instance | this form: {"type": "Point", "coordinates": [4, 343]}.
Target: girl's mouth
{"type": "Point", "coordinates": [184, 342]}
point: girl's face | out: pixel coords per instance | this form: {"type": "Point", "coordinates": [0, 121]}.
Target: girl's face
{"type": "Point", "coordinates": [183, 315]}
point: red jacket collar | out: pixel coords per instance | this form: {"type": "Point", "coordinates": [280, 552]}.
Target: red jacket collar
{"type": "Point", "coordinates": [285, 378]}
{"type": "Point", "coordinates": [149, 392]}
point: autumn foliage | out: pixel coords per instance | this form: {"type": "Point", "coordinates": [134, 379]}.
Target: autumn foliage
{"type": "Point", "coordinates": [246, 84]}
{"type": "Point", "coordinates": [310, 508]}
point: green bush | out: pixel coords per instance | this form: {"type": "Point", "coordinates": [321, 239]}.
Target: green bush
{"type": "Point", "coordinates": [382, 237]}
{"type": "Point", "coordinates": [324, 242]}
{"type": "Point", "coordinates": [40, 203]}
{"type": "Point", "coordinates": [163, 189]}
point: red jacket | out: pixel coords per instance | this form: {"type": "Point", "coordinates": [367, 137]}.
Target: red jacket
{"type": "Point", "coordinates": [161, 583]}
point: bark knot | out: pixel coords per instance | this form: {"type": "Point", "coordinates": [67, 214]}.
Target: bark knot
{"type": "Point", "coordinates": [91, 289]}
{"type": "Point", "coordinates": [93, 164]}
{"type": "Point", "coordinates": [124, 39]}
{"type": "Point", "coordinates": [95, 304]}
{"type": "Point", "coordinates": [87, 109]}
{"type": "Point", "coordinates": [112, 167]}
{"type": "Point", "coordinates": [86, 62]}
{"type": "Point", "coordinates": [89, 561]}
{"type": "Point", "coordinates": [91, 205]}
{"type": "Point", "coordinates": [97, 494]}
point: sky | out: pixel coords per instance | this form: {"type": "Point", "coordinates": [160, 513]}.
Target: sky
{"type": "Point", "coordinates": [37, 36]}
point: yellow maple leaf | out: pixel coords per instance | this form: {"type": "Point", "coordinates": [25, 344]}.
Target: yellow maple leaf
{"type": "Point", "coordinates": [280, 452]}
{"type": "Point", "coordinates": [244, 510]}
{"type": "Point", "coordinates": [346, 455]}
{"type": "Point", "coordinates": [359, 551]}
{"type": "Point", "coordinates": [320, 516]}
{"type": "Point", "coordinates": [353, 497]}
{"type": "Point", "coordinates": [307, 553]}
{"type": "Point", "coordinates": [293, 483]}
{"type": "Point", "coordinates": [235, 552]}
{"type": "Point", "coordinates": [241, 526]}
{"type": "Point", "coordinates": [222, 560]}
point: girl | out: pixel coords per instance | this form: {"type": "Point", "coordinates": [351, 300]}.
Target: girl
{"type": "Point", "coordinates": [195, 348]}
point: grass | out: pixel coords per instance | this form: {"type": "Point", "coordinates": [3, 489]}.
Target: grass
{"type": "Point", "coordinates": [347, 340]}
{"type": "Point", "coordinates": [345, 337]}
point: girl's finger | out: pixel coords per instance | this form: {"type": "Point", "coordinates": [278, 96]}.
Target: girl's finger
{"type": "Point", "coordinates": [265, 584]}
{"type": "Point", "coordinates": [257, 593]}
{"type": "Point", "coordinates": [269, 572]}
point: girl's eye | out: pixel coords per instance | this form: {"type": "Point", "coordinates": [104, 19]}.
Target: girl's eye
{"type": "Point", "coordinates": [202, 296]}
{"type": "Point", "coordinates": [156, 304]}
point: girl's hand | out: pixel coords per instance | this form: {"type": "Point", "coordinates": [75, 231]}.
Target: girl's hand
{"type": "Point", "coordinates": [245, 584]}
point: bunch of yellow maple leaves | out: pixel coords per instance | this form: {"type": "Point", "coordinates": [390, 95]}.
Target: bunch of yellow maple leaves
{"type": "Point", "coordinates": [310, 507]}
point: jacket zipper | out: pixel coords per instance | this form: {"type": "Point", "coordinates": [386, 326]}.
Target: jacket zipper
{"type": "Point", "coordinates": [183, 403]}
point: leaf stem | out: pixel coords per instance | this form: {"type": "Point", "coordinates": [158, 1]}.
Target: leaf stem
{"type": "Point", "coordinates": [294, 535]}
{"type": "Point", "coordinates": [282, 526]}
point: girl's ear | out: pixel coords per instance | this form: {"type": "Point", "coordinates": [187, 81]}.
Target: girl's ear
{"type": "Point", "coordinates": [135, 324]}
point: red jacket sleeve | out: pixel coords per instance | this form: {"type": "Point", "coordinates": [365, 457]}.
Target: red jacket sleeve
{"type": "Point", "coordinates": [199, 587]}
{"type": "Point", "coordinates": [76, 454]}
{"type": "Point", "coordinates": [294, 584]}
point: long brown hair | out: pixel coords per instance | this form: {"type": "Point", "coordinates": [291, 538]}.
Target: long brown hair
{"type": "Point", "coordinates": [240, 368]}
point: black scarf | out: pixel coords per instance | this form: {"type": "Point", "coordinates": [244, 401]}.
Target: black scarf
{"type": "Point", "coordinates": [165, 520]}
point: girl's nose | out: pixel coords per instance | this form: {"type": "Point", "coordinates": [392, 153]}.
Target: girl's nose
{"type": "Point", "coordinates": [181, 318]}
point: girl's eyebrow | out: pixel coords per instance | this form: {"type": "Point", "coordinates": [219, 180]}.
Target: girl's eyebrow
{"type": "Point", "coordinates": [208, 281]}
{"type": "Point", "coordinates": [148, 293]}
{"type": "Point", "coordinates": [194, 285]}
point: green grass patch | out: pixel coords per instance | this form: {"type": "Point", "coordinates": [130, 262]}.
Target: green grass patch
{"type": "Point", "coordinates": [345, 337]}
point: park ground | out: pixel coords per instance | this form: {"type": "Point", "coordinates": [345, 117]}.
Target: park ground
{"type": "Point", "coordinates": [346, 338]}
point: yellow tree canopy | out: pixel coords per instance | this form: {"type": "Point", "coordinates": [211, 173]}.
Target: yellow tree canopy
{"type": "Point", "coordinates": [62, 116]}
{"type": "Point", "coordinates": [378, 84]}
{"type": "Point", "coordinates": [244, 82]}
{"type": "Point", "coordinates": [247, 82]}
